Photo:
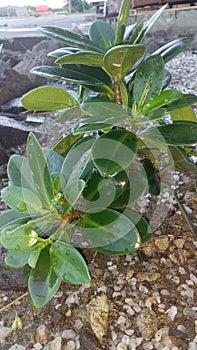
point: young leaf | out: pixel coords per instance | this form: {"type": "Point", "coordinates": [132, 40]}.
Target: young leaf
{"type": "Point", "coordinates": [148, 80]}
{"type": "Point", "coordinates": [103, 34]}
{"type": "Point", "coordinates": [165, 97]}
{"type": "Point", "coordinates": [186, 114]}
{"type": "Point", "coordinates": [106, 227]}
{"type": "Point", "coordinates": [178, 133]}
{"type": "Point", "coordinates": [21, 199]}
{"type": "Point", "coordinates": [88, 58]}
{"type": "Point", "coordinates": [68, 263]}
{"type": "Point", "coordinates": [40, 171]}
{"type": "Point", "coordinates": [70, 38]}
{"type": "Point", "coordinates": [120, 59]}
{"type": "Point", "coordinates": [43, 282]}
{"type": "Point", "coordinates": [114, 151]}
{"type": "Point", "coordinates": [122, 21]}
{"type": "Point", "coordinates": [47, 98]}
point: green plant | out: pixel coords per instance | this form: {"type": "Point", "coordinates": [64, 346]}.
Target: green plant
{"type": "Point", "coordinates": [1, 51]}
{"type": "Point", "coordinates": [80, 193]}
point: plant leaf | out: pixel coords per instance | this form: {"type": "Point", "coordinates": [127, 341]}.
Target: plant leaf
{"type": "Point", "coordinates": [40, 171]}
{"type": "Point", "coordinates": [6, 217]}
{"type": "Point", "coordinates": [180, 160]}
{"type": "Point", "coordinates": [120, 59]}
{"type": "Point", "coordinates": [114, 151]}
{"type": "Point", "coordinates": [152, 177]}
{"type": "Point", "coordinates": [107, 227]}
{"type": "Point", "coordinates": [141, 224]}
{"type": "Point", "coordinates": [148, 80]}
{"type": "Point", "coordinates": [54, 161]}
{"type": "Point", "coordinates": [161, 100]}
{"type": "Point", "coordinates": [184, 114]}
{"type": "Point", "coordinates": [63, 146]}
{"type": "Point", "coordinates": [88, 58]}
{"type": "Point", "coordinates": [70, 38]}
{"type": "Point", "coordinates": [62, 51]}
{"type": "Point", "coordinates": [103, 34]}
{"type": "Point", "coordinates": [173, 48]}
{"type": "Point", "coordinates": [68, 263]}
{"type": "Point", "coordinates": [16, 259]}
{"type": "Point", "coordinates": [178, 133]}
{"type": "Point", "coordinates": [18, 238]}
{"type": "Point", "coordinates": [22, 199]}
{"type": "Point", "coordinates": [47, 98]}
{"type": "Point", "coordinates": [122, 21]}
{"type": "Point", "coordinates": [70, 114]}
{"type": "Point", "coordinates": [103, 109]}
{"type": "Point", "coordinates": [43, 282]}
{"type": "Point", "coordinates": [185, 100]}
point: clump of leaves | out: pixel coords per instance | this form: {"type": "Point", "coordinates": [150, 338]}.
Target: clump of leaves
{"type": "Point", "coordinates": [80, 193]}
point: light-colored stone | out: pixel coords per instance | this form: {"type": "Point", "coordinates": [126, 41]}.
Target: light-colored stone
{"type": "Point", "coordinates": [148, 276]}
{"type": "Point", "coordinates": [55, 344]}
{"type": "Point", "coordinates": [98, 310]}
{"type": "Point", "coordinates": [17, 347]}
{"type": "Point", "coordinates": [4, 332]}
{"type": "Point", "coordinates": [147, 324]}
{"type": "Point", "coordinates": [41, 334]}
{"type": "Point", "coordinates": [69, 346]}
{"type": "Point", "coordinates": [68, 334]}
{"type": "Point", "coordinates": [162, 243]}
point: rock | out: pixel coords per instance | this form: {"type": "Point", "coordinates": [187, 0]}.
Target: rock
{"type": "Point", "coordinates": [12, 83]}
{"type": "Point", "coordinates": [37, 57]}
{"type": "Point", "coordinates": [147, 324]}
{"type": "Point", "coordinates": [68, 334]}
{"type": "Point", "coordinates": [4, 332]}
{"type": "Point", "coordinates": [41, 334]}
{"type": "Point", "coordinates": [98, 310]}
{"type": "Point", "coordinates": [55, 344]}
{"type": "Point", "coordinates": [17, 347]}
{"type": "Point", "coordinates": [162, 243]}
{"type": "Point", "coordinates": [121, 346]}
{"type": "Point", "coordinates": [70, 345]}
{"type": "Point", "coordinates": [148, 276]}
{"type": "Point", "coordinates": [12, 133]}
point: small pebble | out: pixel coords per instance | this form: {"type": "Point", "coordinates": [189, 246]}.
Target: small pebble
{"type": "Point", "coordinates": [68, 334]}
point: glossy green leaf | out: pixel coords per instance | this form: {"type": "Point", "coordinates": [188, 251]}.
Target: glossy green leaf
{"type": "Point", "coordinates": [18, 238]}
{"type": "Point", "coordinates": [88, 58]}
{"type": "Point", "coordinates": [90, 125]}
{"type": "Point", "coordinates": [63, 145]}
{"type": "Point", "coordinates": [40, 171]}
{"type": "Point", "coordinates": [74, 75]}
{"type": "Point", "coordinates": [148, 80]}
{"type": "Point", "coordinates": [103, 34]}
{"type": "Point", "coordinates": [34, 255]}
{"type": "Point", "coordinates": [16, 259]}
{"type": "Point", "coordinates": [155, 115]}
{"type": "Point", "coordinates": [19, 172]}
{"type": "Point", "coordinates": [105, 229]}
{"type": "Point", "coordinates": [47, 98]}
{"type": "Point", "coordinates": [70, 114]}
{"type": "Point", "coordinates": [8, 216]}
{"type": "Point", "coordinates": [122, 21]}
{"type": "Point", "coordinates": [161, 100]}
{"type": "Point", "coordinates": [62, 51]}
{"type": "Point", "coordinates": [21, 199]}
{"type": "Point", "coordinates": [70, 38]}
{"type": "Point", "coordinates": [141, 224]}
{"type": "Point", "coordinates": [114, 151]}
{"type": "Point", "coordinates": [184, 101]}
{"type": "Point", "coordinates": [103, 109]}
{"type": "Point", "coordinates": [128, 31]}
{"type": "Point", "coordinates": [43, 282]}
{"type": "Point", "coordinates": [54, 161]}
{"type": "Point", "coordinates": [178, 133]}
{"type": "Point", "coordinates": [180, 160]}
{"type": "Point", "coordinates": [149, 23]}
{"type": "Point", "coordinates": [152, 177]}
{"type": "Point", "coordinates": [120, 59]}
{"type": "Point", "coordinates": [68, 263]}
{"type": "Point", "coordinates": [73, 167]}
{"type": "Point", "coordinates": [173, 48]}
{"type": "Point", "coordinates": [184, 114]}
{"type": "Point", "coordinates": [167, 79]}
{"type": "Point", "coordinates": [1, 51]}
